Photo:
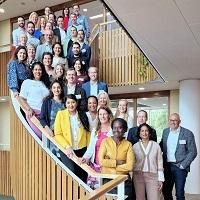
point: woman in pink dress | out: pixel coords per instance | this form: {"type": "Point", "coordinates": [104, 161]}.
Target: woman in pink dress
{"type": "Point", "coordinates": [102, 131]}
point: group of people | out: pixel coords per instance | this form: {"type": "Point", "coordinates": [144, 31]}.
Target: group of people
{"type": "Point", "coordinates": [50, 72]}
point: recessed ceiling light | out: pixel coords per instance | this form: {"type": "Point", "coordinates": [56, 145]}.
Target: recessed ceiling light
{"type": "Point", "coordinates": [144, 98]}
{"type": "Point", "coordinates": [2, 99]}
{"type": "Point", "coordinates": [2, 10]}
{"type": "Point", "coordinates": [141, 88]}
{"type": "Point", "coordinates": [164, 104]}
{"type": "Point", "coordinates": [84, 9]}
{"type": "Point", "coordinates": [96, 16]}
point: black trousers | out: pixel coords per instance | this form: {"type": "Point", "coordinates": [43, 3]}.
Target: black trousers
{"type": "Point", "coordinates": [73, 166]}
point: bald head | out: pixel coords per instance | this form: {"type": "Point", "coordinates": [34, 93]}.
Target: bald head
{"type": "Point", "coordinates": [48, 36]}
{"type": "Point", "coordinates": [174, 121]}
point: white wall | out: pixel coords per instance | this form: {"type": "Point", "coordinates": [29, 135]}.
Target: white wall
{"type": "Point", "coordinates": [5, 36]}
{"type": "Point", "coordinates": [4, 126]}
{"type": "Point", "coordinates": [174, 101]}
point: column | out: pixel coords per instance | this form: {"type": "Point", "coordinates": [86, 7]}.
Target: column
{"type": "Point", "coordinates": [189, 110]}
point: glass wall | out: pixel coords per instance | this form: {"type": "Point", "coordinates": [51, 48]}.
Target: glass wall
{"type": "Point", "coordinates": [156, 107]}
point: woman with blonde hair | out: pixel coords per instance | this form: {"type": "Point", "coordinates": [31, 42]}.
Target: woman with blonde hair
{"type": "Point", "coordinates": [33, 17]}
{"type": "Point", "coordinates": [102, 131]}
{"type": "Point", "coordinates": [59, 73]}
{"type": "Point", "coordinates": [103, 99]}
{"type": "Point", "coordinates": [122, 112]}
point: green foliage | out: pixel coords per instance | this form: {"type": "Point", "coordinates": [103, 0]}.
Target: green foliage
{"type": "Point", "coordinates": [158, 119]}
{"type": "Point", "coordinates": [142, 70]}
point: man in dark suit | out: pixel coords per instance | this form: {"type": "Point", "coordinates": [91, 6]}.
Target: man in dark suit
{"type": "Point", "coordinates": [60, 31]}
{"type": "Point", "coordinates": [76, 53]}
{"type": "Point", "coordinates": [94, 86]}
{"type": "Point", "coordinates": [72, 88]}
{"type": "Point", "coordinates": [179, 150]}
{"type": "Point", "coordinates": [85, 48]}
{"type": "Point", "coordinates": [142, 118]}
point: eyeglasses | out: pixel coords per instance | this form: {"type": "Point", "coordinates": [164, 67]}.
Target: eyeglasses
{"type": "Point", "coordinates": [175, 120]}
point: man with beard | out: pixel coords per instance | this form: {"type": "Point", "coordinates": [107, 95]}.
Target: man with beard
{"type": "Point", "coordinates": [76, 53]}
{"type": "Point", "coordinates": [30, 35]}
{"type": "Point", "coordinates": [17, 32]}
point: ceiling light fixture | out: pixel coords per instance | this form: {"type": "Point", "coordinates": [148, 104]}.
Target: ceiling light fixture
{"type": "Point", "coordinates": [96, 16]}
{"type": "Point", "coordinates": [99, 16]}
{"type": "Point", "coordinates": [2, 10]}
{"type": "Point", "coordinates": [84, 9]}
{"type": "Point", "coordinates": [141, 88]}
{"type": "Point", "coordinates": [2, 99]}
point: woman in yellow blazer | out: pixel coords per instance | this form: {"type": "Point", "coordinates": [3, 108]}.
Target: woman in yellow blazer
{"type": "Point", "coordinates": [71, 131]}
{"type": "Point", "coordinates": [116, 154]}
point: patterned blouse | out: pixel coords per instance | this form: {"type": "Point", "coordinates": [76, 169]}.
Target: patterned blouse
{"type": "Point", "coordinates": [17, 73]}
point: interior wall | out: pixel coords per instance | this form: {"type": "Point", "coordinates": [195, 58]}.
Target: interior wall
{"type": "Point", "coordinates": [4, 126]}
{"type": "Point", "coordinates": [174, 101]}
{"type": "Point", "coordinates": [5, 36]}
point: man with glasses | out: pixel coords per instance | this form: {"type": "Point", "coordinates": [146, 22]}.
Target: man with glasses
{"type": "Point", "coordinates": [47, 46]}
{"type": "Point", "coordinates": [179, 150]}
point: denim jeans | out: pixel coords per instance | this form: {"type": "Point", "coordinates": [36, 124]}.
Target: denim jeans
{"type": "Point", "coordinates": [177, 176]}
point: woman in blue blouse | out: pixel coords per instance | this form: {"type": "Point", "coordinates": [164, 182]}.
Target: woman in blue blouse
{"type": "Point", "coordinates": [17, 71]}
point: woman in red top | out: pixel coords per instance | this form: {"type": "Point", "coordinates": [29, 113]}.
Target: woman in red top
{"type": "Point", "coordinates": [66, 17]}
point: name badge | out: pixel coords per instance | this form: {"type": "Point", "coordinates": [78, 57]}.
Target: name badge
{"type": "Point", "coordinates": [78, 96]}
{"type": "Point", "coordinates": [83, 50]}
{"type": "Point", "coordinates": [81, 79]}
{"type": "Point", "coordinates": [182, 141]}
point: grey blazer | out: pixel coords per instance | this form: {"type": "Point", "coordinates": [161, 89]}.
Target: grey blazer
{"type": "Point", "coordinates": [186, 149]}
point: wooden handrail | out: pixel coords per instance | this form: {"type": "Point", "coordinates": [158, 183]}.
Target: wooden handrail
{"type": "Point", "coordinates": [109, 22]}
{"type": "Point", "coordinates": [107, 187]}
{"type": "Point", "coordinates": [117, 178]}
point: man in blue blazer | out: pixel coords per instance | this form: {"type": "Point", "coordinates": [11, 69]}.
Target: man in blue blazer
{"type": "Point", "coordinates": [179, 150]}
{"type": "Point", "coordinates": [93, 87]}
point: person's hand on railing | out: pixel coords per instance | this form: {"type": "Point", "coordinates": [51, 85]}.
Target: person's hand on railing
{"type": "Point", "coordinates": [49, 131]}
{"type": "Point", "coordinates": [69, 152]}
{"type": "Point", "coordinates": [83, 160]}
{"type": "Point", "coordinates": [107, 157]}
{"type": "Point", "coordinates": [160, 184]}
{"type": "Point", "coordinates": [15, 94]}
{"type": "Point", "coordinates": [29, 113]}
{"type": "Point", "coordinates": [121, 162]}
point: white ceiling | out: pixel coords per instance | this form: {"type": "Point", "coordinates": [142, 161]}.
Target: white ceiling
{"type": "Point", "coordinates": [168, 31]}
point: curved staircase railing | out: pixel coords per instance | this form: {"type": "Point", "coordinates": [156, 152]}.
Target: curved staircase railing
{"type": "Point", "coordinates": [36, 173]}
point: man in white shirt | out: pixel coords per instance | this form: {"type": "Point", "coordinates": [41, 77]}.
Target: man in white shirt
{"type": "Point", "coordinates": [30, 35]}
{"type": "Point", "coordinates": [60, 32]}
{"type": "Point", "coordinates": [179, 150]}
{"type": "Point", "coordinates": [72, 88]}
{"type": "Point", "coordinates": [21, 29]}
{"type": "Point", "coordinates": [46, 47]}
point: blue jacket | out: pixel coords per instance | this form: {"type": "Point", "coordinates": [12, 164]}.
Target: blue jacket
{"type": "Point", "coordinates": [46, 112]}
{"type": "Point", "coordinates": [100, 86]}
{"type": "Point", "coordinates": [186, 150]}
